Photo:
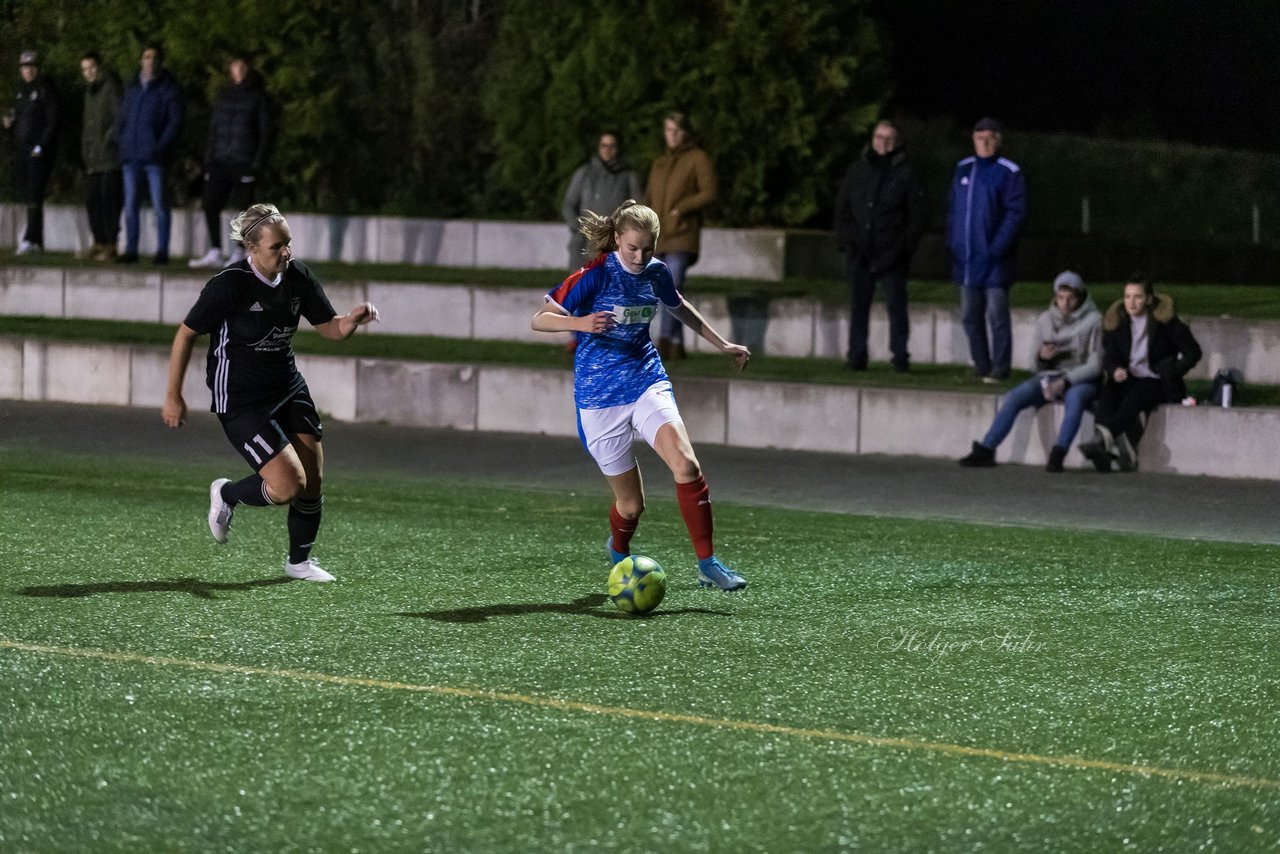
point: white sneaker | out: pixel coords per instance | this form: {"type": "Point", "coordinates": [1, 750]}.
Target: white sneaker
{"type": "Point", "coordinates": [210, 259]}
{"type": "Point", "coordinates": [237, 255]}
{"type": "Point", "coordinates": [220, 512]}
{"type": "Point", "coordinates": [308, 570]}
{"type": "Point", "coordinates": [26, 247]}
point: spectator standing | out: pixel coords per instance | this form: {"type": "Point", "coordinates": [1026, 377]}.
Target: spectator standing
{"type": "Point", "coordinates": [986, 210]}
{"type": "Point", "coordinates": [101, 156]}
{"type": "Point", "coordinates": [880, 215]}
{"type": "Point", "coordinates": [34, 121]}
{"type": "Point", "coordinates": [239, 142]}
{"type": "Point", "coordinates": [150, 120]}
{"type": "Point", "coordinates": [600, 185]}
{"type": "Point", "coordinates": [682, 183]}
{"type": "Point", "coordinates": [1067, 352]}
{"type": "Point", "coordinates": [1146, 352]}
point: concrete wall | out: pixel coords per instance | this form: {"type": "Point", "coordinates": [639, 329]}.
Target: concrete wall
{"type": "Point", "coordinates": [781, 327]}
{"type": "Point", "coordinates": [500, 398]}
{"type": "Point", "coordinates": [726, 252]}
{"type": "Point", "coordinates": [760, 253]}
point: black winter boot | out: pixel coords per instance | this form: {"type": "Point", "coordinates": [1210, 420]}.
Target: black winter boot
{"type": "Point", "coordinates": [1056, 456]}
{"type": "Point", "coordinates": [981, 457]}
{"type": "Point", "coordinates": [1099, 449]}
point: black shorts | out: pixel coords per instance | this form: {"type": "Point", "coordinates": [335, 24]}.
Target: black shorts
{"type": "Point", "coordinates": [258, 433]}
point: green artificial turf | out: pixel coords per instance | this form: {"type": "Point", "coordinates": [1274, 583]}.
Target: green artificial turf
{"type": "Point", "coordinates": [465, 686]}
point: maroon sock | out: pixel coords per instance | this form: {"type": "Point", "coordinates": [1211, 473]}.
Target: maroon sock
{"type": "Point", "coordinates": [695, 506]}
{"type": "Point", "coordinates": [621, 529]}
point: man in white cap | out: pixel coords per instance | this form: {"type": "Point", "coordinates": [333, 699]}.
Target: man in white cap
{"type": "Point", "coordinates": [1068, 359]}
{"type": "Point", "coordinates": [33, 120]}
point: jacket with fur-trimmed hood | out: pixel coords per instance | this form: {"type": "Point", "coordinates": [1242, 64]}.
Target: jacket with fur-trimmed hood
{"type": "Point", "coordinates": [1172, 350]}
{"type": "Point", "coordinates": [1078, 337]}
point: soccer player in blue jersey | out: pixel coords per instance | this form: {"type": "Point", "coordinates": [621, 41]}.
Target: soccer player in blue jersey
{"type": "Point", "coordinates": [250, 310]}
{"type": "Point", "coordinates": [620, 386]}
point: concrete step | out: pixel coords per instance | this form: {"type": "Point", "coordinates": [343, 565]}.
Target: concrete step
{"type": "Point", "coordinates": [1241, 443]}
{"type": "Point", "coordinates": [785, 327]}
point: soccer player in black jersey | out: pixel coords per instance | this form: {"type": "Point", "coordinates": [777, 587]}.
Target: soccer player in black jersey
{"type": "Point", "coordinates": [251, 310]}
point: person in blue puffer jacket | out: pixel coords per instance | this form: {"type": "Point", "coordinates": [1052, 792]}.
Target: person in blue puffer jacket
{"type": "Point", "coordinates": [986, 210]}
{"type": "Point", "coordinates": [149, 123]}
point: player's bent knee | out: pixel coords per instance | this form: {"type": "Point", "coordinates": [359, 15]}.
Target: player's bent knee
{"type": "Point", "coordinates": [686, 469]}
{"type": "Point", "coordinates": [285, 492]}
{"type": "Point", "coordinates": [628, 510]}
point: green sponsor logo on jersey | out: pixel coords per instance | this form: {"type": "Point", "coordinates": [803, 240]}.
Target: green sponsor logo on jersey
{"type": "Point", "coordinates": [629, 314]}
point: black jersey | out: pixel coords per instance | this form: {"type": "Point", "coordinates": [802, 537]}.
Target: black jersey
{"type": "Point", "coordinates": [251, 326]}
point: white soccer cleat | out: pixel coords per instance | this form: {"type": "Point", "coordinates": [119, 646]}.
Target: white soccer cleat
{"type": "Point", "coordinates": [308, 570]}
{"type": "Point", "coordinates": [210, 259]}
{"type": "Point", "coordinates": [220, 512]}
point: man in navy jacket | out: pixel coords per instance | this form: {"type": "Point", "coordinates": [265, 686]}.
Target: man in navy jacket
{"type": "Point", "coordinates": [987, 207]}
{"type": "Point", "coordinates": [150, 120]}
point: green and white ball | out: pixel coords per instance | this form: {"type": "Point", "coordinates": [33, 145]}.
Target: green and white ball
{"type": "Point", "coordinates": [637, 584]}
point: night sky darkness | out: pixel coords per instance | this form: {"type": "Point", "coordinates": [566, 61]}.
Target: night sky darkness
{"type": "Point", "coordinates": [1183, 70]}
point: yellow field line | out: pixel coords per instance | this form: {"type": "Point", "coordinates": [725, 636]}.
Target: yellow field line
{"type": "Point", "coordinates": [1075, 762]}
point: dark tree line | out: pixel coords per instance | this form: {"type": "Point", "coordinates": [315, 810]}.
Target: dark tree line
{"type": "Point", "coordinates": [484, 107]}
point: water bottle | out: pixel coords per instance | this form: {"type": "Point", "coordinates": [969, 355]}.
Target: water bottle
{"type": "Point", "coordinates": [1226, 394]}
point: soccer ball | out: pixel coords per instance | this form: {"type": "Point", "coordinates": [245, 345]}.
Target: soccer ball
{"type": "Point", "coordinates": [637, 584]}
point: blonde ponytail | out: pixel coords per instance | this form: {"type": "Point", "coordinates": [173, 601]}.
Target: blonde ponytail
{"type": "Point", "coordinates": [602, 231]}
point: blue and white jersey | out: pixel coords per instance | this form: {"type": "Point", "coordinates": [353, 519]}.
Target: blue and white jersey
{"type": "Point", "coordinates": [614, 368]}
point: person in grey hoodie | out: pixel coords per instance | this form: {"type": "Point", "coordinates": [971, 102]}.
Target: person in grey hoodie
{"type": "Point", "coordinates": [600, 185]}
{"type": "Point", "coordinates": [1068, 358]}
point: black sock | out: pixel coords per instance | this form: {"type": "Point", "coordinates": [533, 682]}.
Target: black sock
{"type": "Point", "coordinates": [251, 491]}
{"type": "Point", "coordinates": [304, 524]}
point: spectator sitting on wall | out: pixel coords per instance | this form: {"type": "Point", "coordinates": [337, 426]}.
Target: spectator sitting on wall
{"type": "Point", "coordinates": [1067, 351]}
{"type": "Point", "coordinates": [1146, 352]}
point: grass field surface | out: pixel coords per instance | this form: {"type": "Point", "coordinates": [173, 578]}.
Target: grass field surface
{"type": "Point", "coordinates": [883, 684]}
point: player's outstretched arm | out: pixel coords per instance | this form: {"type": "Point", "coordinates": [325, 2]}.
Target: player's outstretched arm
{"type": "Point", "coordinates": [343, 326]}
{"type": "Point", "coordinates": [692, 318]}
{"type": "Point", "coordinates": [551, 319]}
{"type": "Point", "coordinates": [174, 411]}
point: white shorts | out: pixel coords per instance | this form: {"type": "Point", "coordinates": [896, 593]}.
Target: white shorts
{"type": "Point", "coordinates": [608, 433]}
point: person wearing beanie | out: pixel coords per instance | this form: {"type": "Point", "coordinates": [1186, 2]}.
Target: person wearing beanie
{"type": "Point", "coordinates": [987, 207]}
{"type": "Point", "coordinates": [879, 217]}
{"type": "Point", "coordinates": [1067, 351]}
{"type": "Point", "coordinates": [33, 119]}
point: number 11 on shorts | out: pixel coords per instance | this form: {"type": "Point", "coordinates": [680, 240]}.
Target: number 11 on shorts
{"type": "Point", "coordinates": [265, 446]}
